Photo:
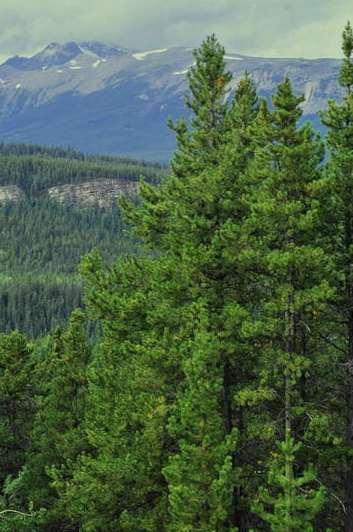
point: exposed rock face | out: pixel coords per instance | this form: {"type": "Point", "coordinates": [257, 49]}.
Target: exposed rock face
{"type": "Point", "coordinates": [10, 193]}
{"type": "Point", "coordinates": [100, 193]}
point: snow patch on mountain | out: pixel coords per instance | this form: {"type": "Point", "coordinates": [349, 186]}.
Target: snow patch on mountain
{"type": "Point", "coordinates": [233, 58]}
{"type": "Point", "coordinates": [141, 56]}
{"type": "Point", "coordinates": [181, 72]}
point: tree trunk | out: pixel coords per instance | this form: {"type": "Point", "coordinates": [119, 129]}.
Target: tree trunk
{"type": "Point", "coordinates": [349, 474]}
{"type": "Point", "coordinates": [349, 364]}
{"type": "Point", "coordinates": [289, 319]}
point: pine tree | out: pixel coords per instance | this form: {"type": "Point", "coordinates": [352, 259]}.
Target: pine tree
{"type": "Point", "coordinates": [198, 144]}
{"type": "Point", "coordinates": [16, 404]}
{"type": "Point", "coordinates": [297, 501]}
{"type": "Point", "coordinates": [195, 269]}
{"type": "Point", "coordinates": [131, 386]}
{"type": "Point", "coordinates": [339, 218]}
{"type": "Point", "coordinates": [207, 235]}
{"type": "Point", "coordinates": [57, 437]}
{"type": "Point", "coordinates": [201, 475]}
{"type": "Point", "coordinates": [294, 274]}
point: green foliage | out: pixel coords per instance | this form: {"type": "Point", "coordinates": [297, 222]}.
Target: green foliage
{"type": "Point", "coordinates": [129, 382]}
{"type": "Point", "coordinates": [221, 365]}
{"type": "Point", "coordinates": [289, 504]}
{"type": "Point", "coordinates": [16, 417]}
{"type": "Point", "coordinates": [198, 145]}
{"type": "Point", "coordinates": [24, 521]}
{"type": "Point", "coordinates": [336, 190]}
{"type": "Point", "coordinates": [200, 475]}
{"type": "Point", "coordinates": [42, 241]}
{"type": "Point", "coordinates": [16, 403]}
{"type": "Point", "coordinates": [57, 436]}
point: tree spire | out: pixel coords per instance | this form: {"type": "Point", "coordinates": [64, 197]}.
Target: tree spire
{"type": "Point", "coordinates": [346, 74]}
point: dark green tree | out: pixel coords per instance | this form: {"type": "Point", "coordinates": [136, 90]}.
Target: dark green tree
{"type": "Point", "coordinates": [198, 145]}
{"type": "Point", "coordinates": [294, 275]}
{"type": "Point", "coordinates": [339, 219]}
{"type": "Point", "coordinates": [131, 385]}
{"type": "Point", "coordinates": [57, 438]}
{"type": "Point", "coordinates": [16, 403]}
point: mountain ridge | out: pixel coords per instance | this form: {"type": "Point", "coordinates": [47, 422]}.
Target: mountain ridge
{"type": "Point", "coordinates": [103, 98]}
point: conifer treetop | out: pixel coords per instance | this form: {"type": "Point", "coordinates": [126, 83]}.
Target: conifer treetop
{"type": "Point", "coordinates": [347, 44]}
{"type": "Point", "coordinates": [346, 74]}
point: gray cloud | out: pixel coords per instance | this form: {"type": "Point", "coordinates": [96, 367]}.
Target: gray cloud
{"type": "Point", "coordinates": [258, 27]}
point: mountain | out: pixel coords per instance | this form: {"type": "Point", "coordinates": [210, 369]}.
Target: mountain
{"type": "Point", "coordinates": [107, 99]}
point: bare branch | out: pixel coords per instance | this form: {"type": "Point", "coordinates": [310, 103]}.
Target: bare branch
{"type": "Point", "coordinates": [3, 512]}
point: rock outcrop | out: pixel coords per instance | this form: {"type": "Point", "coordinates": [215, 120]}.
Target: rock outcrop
{"type": "Point", "coordinates": [10, 193]}
{"type": "Point", "coordinates": [100, 193]}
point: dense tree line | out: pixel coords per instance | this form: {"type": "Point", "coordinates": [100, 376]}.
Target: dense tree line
{"type": "Point", "coordinates": [35, 174]}
{"type": "Point", "coordinates": [69, 153]}
{"type": "Point", "coordinates": [49, 237]}
{"type": "Point", "coordinates": [36, 305]}
{"type": "Point", "coordinates": [42, 242]}
{"type": "Point", "coordinates": [216, 394]}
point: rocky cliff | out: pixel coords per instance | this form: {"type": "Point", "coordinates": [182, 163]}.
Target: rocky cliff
{"type": "Point", "coordinates": [98, 193]}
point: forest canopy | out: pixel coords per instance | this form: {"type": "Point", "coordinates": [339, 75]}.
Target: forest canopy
{"type": "Point", "coordinates": [216, 390]}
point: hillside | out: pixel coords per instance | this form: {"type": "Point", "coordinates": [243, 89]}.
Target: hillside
{"type": "Point", "coordinates": [106, 99]}
{"type": "Point", "coordinates": [56, 206]}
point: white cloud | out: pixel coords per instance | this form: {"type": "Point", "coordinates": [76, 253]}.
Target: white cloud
{"type": "Point", "coordinates": [258, 27]}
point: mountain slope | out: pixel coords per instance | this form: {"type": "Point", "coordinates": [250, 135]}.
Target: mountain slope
{"type": "Point", "coordinates": [56, 206]}
{"type": "Point", "coordinates": [101, 98]}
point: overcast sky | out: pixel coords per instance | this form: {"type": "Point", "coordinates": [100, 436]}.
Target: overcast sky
{"type": "Point", "coordinates": [281, 28]}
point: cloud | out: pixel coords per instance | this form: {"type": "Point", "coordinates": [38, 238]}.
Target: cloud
{"type": "Point", "coordinates": [256, 27]}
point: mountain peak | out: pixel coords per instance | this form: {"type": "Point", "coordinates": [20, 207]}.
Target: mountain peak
{"type": "Point", "coordinates": [52, 55]}
{"type": "Point", "coordinates": [58, 54]}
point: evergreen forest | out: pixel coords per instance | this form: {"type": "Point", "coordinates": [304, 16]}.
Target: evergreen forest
{"type": "Point", "coordinates": [43, 240]}
{"type": "Point", "coordinates": [204, 381]}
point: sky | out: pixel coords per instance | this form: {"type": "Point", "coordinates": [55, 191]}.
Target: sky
{"type": "Point", "coordinates": [272, 28]}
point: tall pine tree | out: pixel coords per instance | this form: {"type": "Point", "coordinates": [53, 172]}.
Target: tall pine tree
{"type": "Point", "coordinates": [339, 216]}
{"type": "Point", "coordinates": [295, 289]}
